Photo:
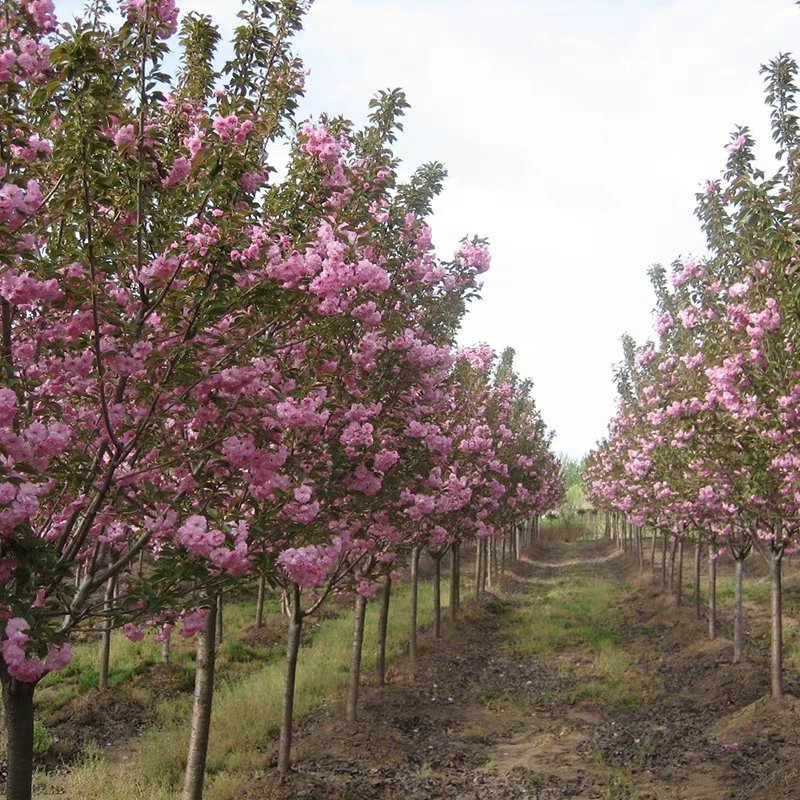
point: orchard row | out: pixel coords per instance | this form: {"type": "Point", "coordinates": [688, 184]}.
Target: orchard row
{"type": "Point", "coordinates": [212, 376]}
{"type": "Point", "coordinates": [705, 446]}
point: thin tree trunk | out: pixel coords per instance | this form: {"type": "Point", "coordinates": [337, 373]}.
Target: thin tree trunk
{"type": "Point", "coordinates": [105, 640]}
{"type": "Point", "coordinates": [455, 580]}
{"type": "Point", "coordinates": [287, 712]}
{"type": "Point", "coordinates": [664, 560]}
{"type": "Point", "coordinates": [412, 606]}
{"type": "Point", "coordinates": [383, 628]}
{"type": "Point", "coordinates": [219, 619]}
{"type": "Point", "coordinates": [503, 555]}
{"type": "Point", "coordinates": [712, 592]}
{"type": "Point", "coordinates": [776, 625]}
{"type": "Point", "coordinates": [653, 551]}
{"type": "Point", "coordinates": [18, 706]}
{"type": "Point", "coordinates": [698, 551]}
{"type": "Point", "coordinates": [672, 553]}
{"type": "Point", "coordinates": [478, 568]}
{"type": "Point", "coordinates": [201, 711]}
{"type": "Point", "coordinates": [640, 547]}
{"type": "Point", "coordinates": [679, 589]}
{"type": "Point", "coordinates": [437, 596]}
{"type": "Point", "coordinates": [262, 593]}
{"type": "Point", "coordinates": [738, 612]}
{"type": "Point", "coordinates": [354, 676]}
{"type": "Point", "coordinates": [166, 650]}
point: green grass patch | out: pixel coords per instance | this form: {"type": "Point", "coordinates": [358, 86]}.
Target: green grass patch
{"type": "Point", "coordinates": [246, 714]}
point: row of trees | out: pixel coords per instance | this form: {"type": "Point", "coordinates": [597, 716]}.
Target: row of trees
{"type": "Point", "coordinates": [213, 378]}
{"type": "Point", "coordinates": [704, 446]}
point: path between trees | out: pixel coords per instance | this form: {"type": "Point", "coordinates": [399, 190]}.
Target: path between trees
{"type": "Point", "coordinates": [577, 680]}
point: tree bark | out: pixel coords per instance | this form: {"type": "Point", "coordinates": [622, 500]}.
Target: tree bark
{"type": "Point", "coordinates": [653, 552]}
{"type": "Point", "coordinates": [712, 592]}
{"type": "Point", "coordinates": [105, 640]}
{"type": "Point", "coordinates": [166, 650]}
{"type": "Point", "coordinates": [776, 625]}
{"type": "Point", "coordinates": [262, 593]}
{"type": "Point", "coordinates": [437, 596]}
{"type": "Point", "coordinates": [354, 676]}
{"type": "Point", "coordinates": [412, 606]}
{"type": "Point", "coordinates": [738, 612]}
{"type": "Point", "coordinates": [478, 568]}
{"type": "Point", "coordinates": [218, 633]}
{"type": "Point", "coordinates": [673, 550]}
{"type": "Point", "coordinates": [383, 628]}
{"type": "Point", "coordinates": [640, 547]}
{"type": "Point", "coordinates": [201, 711]}
{"type": "Point", "coordinates": [455, 580]}
{"type": "Point", "coordinates": [292, 651]}
{"type": "Point", "coordinates": [698, 551]}
{"type": "Point", "coordinates": [679, 588]}
{"type": "Point", "coordinates": [664, 560]}
{"type": "Point", "coordinates": [18, 706]}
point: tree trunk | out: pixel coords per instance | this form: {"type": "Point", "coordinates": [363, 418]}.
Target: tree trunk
{"type": "Point", "coordinates": [679, 588]}
{"type": "Point", "coordinates": [18, 706]}
{"type": "Point", "coordinates": [712, 592]}
{"type": "Point", "coordinates": [698, 551]}
{"type": "Point", "coordinates": [653, 551]}
{"type": "Point", "coordinates": [478, 568]}
{"type": "Point", "coordinates": [455, 580]}
{"type": "Point", "coordinates": [503, 555]}
{"type": "Point", "coordinates": [262, 593]}
{"type": "Point", "coordinates": [738, 612]}
{"type": "Point", "coordinates": [383, 628]}
{"type": "Point", "coordinates": [287, 712]}
{"type": "Point", "coordinates": [412, 606]}
{"type": "Point", "coordinates": [672, 553]}
{"type": "Point", "coordinates": [201, 711]}
{"type": "Point", "coordinates": [640, 547]}
{"type": "Point", "coordinates": [776, 625]}
{"type": "Point", "coordinates": [664, 560]}
{"type": "Point", "coordinates": [354, 676]}
{"type": "Point", "coordinates": [105, 640]}
{"type": "Point", "coordinates": [437, 596]}
{"type": "Point", "coordinates": [166, 650]}
{"type": "Point", "coordinates": [219, 619]}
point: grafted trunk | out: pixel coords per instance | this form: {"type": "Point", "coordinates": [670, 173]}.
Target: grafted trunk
{"type": "Point", "coordinates": [437, 596]}
{"type": "Point", "coordinates": [412, 633]}
{"type": "Point", "coordinates": [262, 593]}
{"type": "Point", "coordinates": [354, 676]}
{"type": "Point", "coordinates": [383, 628]}
{"type": "Point", "coordinates": [698, 551]}
{"type": "Point", "coordinates": [201, 711]}
{"type": "Point", "coordinates": [292, 651]}
{"type": "Point", "coordinates": [455, 581]}
{"type": "Point", "coordinates": [738, 611]}
{"type": "Point", "coordinates": [776, 625]}
{"type": "Point", "coordinates": [105, 639]}
{"type": "Point", "coordinates": [18, 707]}
{"type": "Point", "coordinates": [712, 592]}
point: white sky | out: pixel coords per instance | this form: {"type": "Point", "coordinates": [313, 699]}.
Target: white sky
{"type": "Point", "coordinates": [575, 133]}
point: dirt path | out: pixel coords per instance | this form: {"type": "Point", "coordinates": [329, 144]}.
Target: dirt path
{"type": "Point", "coordinates": [578, 681]}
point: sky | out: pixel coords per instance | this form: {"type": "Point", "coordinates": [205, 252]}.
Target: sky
{"type": "Point", "coordinates": [575, 133]}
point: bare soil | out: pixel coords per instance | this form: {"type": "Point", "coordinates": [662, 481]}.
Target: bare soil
{"type": "Point", "coordinates": [479, 721]}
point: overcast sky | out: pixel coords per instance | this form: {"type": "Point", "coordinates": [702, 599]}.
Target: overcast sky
{"type": "Point", "coordinates": [575, 133]}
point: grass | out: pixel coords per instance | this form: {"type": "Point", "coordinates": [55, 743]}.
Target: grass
{"type": "Point", "coordinates": [579, 613]}
{"type": "Point", "coordinates": [246, 715]}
